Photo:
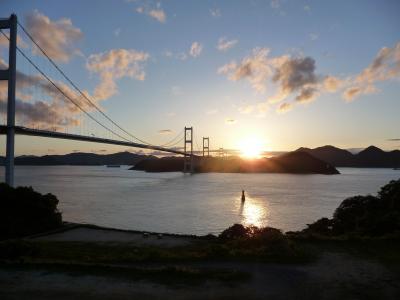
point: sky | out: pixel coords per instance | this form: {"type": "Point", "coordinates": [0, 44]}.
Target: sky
{"type": "Point", "coordinates": [285, 73]}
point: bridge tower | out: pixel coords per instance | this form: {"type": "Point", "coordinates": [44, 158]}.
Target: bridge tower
{"type": "Point", "coordinates": [188, 149]}
{"type": "Point", "coordinates": [10, 76]}
{"type": "Point", "coordinates": [206, 146]}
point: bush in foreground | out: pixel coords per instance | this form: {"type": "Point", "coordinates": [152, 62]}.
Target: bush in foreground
{"type": "Point", "coordinates": [24, 212]}
{"type": "Point", "coordinates": [251, 241]}
{"type": "Point", "coordinates": [364, 216]}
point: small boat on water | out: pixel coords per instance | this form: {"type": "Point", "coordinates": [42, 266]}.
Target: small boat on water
{"type": "Point", "coordinates": [113, 166]}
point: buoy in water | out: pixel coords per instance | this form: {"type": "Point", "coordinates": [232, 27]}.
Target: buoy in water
{"type": "Point", "coordinates": [243, 196]}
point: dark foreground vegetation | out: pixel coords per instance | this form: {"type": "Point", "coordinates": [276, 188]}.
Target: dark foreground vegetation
{"type": "Point", "coordinates": [361, 238]}
{"type": "Point", "coordinates": [24, 212]}
{"type": "Point", "coordinates": [362, 216]}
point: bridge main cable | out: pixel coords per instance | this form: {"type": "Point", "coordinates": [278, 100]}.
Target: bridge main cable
{"type": "Point", "coordinates": [64, 94]}
{"type": "Point", "coordinates": [78, 89]}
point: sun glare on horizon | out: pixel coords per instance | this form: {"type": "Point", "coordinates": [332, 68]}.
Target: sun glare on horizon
{"type": "Point", "coordinates": [251, 147]}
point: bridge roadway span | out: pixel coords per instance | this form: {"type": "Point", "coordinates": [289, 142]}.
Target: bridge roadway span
{"type": "Point", "coordinates": [68, 136]}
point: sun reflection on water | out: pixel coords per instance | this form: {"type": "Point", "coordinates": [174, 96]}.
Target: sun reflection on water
{"type": "Point", "coordinates": [253, 212]}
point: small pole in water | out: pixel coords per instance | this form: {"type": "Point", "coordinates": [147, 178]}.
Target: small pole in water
{"type": "Point", "coordinates": [243, 196]}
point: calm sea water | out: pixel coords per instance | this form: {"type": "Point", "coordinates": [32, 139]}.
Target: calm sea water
{"type": "Point", "coordinates": [196, 204]}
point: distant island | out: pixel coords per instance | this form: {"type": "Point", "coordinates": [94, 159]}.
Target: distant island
{"type": "Point", "coordinates": [80, 159]}
{"type": "Point", "coordinates": [371, 157]}
{"type": "Point", "coordinates": [292, 162]}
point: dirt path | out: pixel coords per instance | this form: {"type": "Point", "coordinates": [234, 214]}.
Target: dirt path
{"type": "Point", "coordinates": [90, 233]}
{"type": "Point", "coordinates": [333, 276]}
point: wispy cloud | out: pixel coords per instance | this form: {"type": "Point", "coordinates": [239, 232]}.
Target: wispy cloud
{"type": "Point", "coordinates": [165, 131]}
{"type": "Point", "coordinates": [385, 66]}
{"type": "Point", "coordinates": [195, 49]}
{"type": "Point", "coordinates": [284, 107]}
{"type": "Point", "coordinates": [215, 12]}
{"type": "Point", "coordinates": [224, 44]}
{"type": "Point", "coordinates": [156, 13]}
{"type": "Point", "coordinates": [57, 38]}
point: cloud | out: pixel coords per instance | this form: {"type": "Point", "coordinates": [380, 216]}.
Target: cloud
{"type": "Point", "coordinates": [4, 42]}
{"type": "Point", "coordinates": [255, 68]}
{"type": "Point", "coordinates": [284, 107]}
{"type": "Point", "coordinates": [41, 113]}
{"type": "Point", "coordinates": [195, 49]}
{"type": "Point", "coordinates": [170, 54]}
{"type": "Point", "coordinates": [352, 92]}
{"type": "Point", "coordinates": [215, 12]}
{"type": "Point", "coordinates": [307, 94]}
{"type": "Point", "coordinates": [332, 84]}
{"type": "Point", "coordinates": [291, 75]}
{"type": "Point", "coordinates": [295, 76]}
{"type": "Point", "coordinates": [57, 38]}
{"type": "Point", "coordinates": [385, 66]}
{"type": "Point", "coordinates": [230, 121]}
{"type": "Point", "coordinates": [165, 131]}
{"type": "Point", "coordinates": [156, 13]}
{"type": "Point", "coordinates": [52, 110]}
{"type": "Point", "coordinates": [113, 65]}
{"type": "Point", "coordinates": [225, 45]}
{"type": "Point", "coordinates": [259, 108]}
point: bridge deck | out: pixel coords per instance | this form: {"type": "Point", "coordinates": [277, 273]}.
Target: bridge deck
{"type": "Point", "coordinates": [68, 136]}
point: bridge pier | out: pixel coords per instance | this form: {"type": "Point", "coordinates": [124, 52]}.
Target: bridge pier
{"type": "Point", "coordinates": [10, 75]}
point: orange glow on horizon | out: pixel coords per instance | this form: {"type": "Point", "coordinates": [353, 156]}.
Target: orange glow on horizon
{"type": "Point", "coordinates": [251, 147]}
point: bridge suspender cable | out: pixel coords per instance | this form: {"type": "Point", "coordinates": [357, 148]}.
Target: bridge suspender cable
{"type": "Point", "coordinates": [64, 94]}
{"type": "Point", "coordinates": [78, 89]}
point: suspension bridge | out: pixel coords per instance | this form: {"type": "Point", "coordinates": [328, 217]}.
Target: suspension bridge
{"type": "Point", "coordinates": [88, 116]}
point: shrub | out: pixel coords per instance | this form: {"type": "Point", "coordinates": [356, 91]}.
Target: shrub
{"type": "Point", "coordinates": [24, 212]}
{"type": "Point", "coordinates": [236, 231]}
{"type": "Point", "coordinates": [364, 216]}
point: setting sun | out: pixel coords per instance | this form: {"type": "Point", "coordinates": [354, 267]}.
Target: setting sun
{"type": "Point", "coordinates": [251, 147]}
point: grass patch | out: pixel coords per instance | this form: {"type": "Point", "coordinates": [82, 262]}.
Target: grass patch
{"type": "Point", "coordinates": [171, 275]}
